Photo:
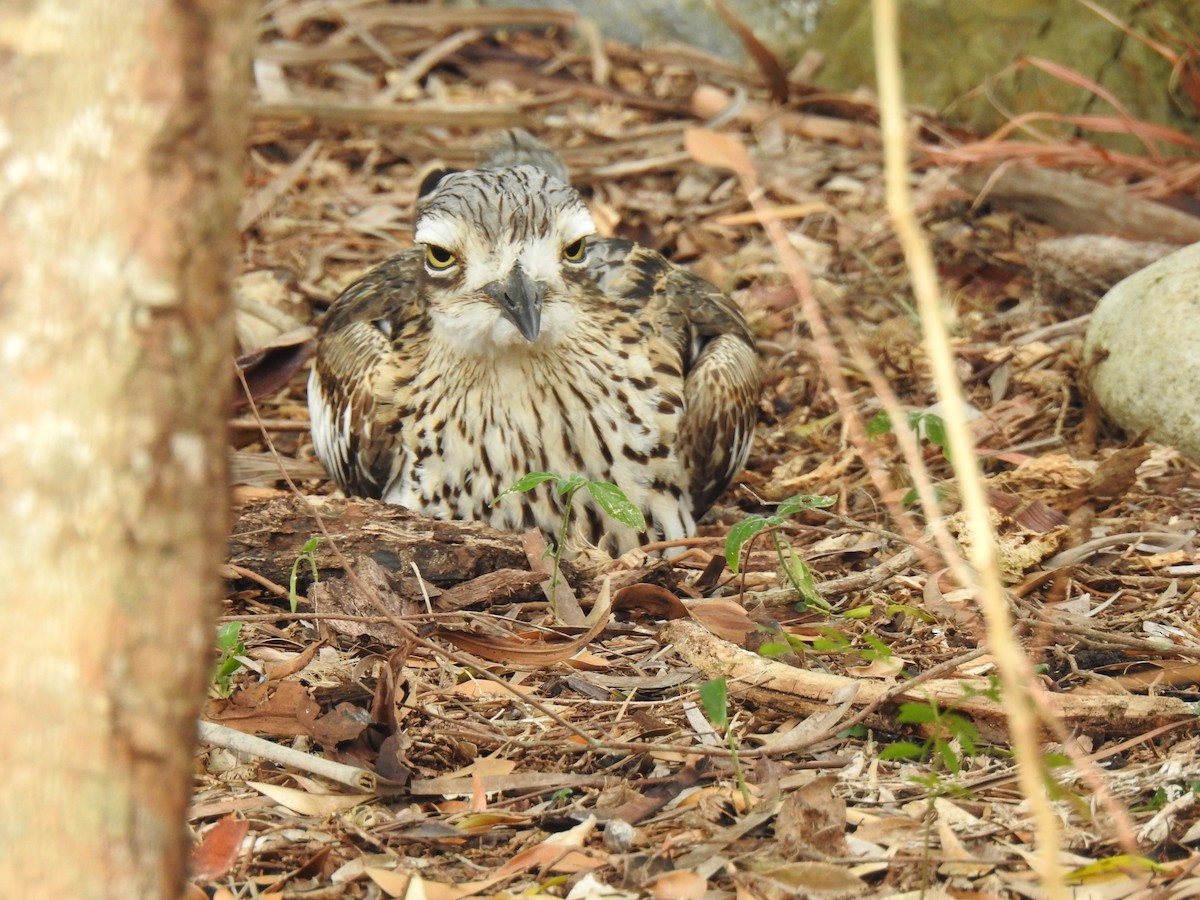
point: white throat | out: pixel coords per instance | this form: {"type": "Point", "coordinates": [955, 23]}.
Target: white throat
{"type": "Point", "coordinates": [478, 329]}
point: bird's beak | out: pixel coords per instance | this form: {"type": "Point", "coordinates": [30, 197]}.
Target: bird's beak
{"type": "Point", "coordinates": [520, 299]}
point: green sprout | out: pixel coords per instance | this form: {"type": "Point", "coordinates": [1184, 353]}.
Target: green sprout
{"type": "Point", "coordinates": [610, 498]}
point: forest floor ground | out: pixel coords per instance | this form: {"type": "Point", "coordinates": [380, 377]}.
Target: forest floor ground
{"type": "Point", "coordinates": [861, 746]}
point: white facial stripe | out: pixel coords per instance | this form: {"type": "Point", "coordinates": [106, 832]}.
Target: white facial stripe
{"type": "Point", "coordinates": [576, 225]}
{"type": "Point", "coordinates": [439, 232]}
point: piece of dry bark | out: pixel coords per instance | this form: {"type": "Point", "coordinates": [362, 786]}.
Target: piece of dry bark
{"type": "Point", "coordinates": [268, 535]}
{"type": "Point", "coordinates": [1090, 264]}
{"type": "Point", "coordinates": [1078, 205]}
{"type": "Point", "coordinates": [342, 596]}
{"type": "Point", "coordinates": [780, 686]}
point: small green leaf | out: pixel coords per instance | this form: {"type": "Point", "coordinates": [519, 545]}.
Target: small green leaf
{"type": "Point", "coordinates": [894, 609]}
{"type": "Point", "coordinates": [902, 750]}
{"type": "Point", "coordinates": [613, 501]}
{"type": "Point", "coordinates": [229, 636]}
{"type": "Point", "coordinates": [831, 641]}
{"type": "Point", "coordinates": [798, 574]}
{"type": "Point", "coordinates": [858, 612]}
{"type": "Point", "coordinates": [803, 502]}
{"type": "Point", "coordinates": [311, 544]}
{"type": "Point", "coordinates": [568, 486]}
{"type": "Point", "coordinates": [916, 714]}
{"type": "Point", "coordinates": [881, 650]}
{"type": "Point", "coordinates": [227, 667]}
{"type": "Point", "coordinates": [991, 692]}
{"type": "Point", "coordinates": [738, 535]}
{"type": "Point", "coordinates": [935, 430]}
{"type": "Point", "coordinates": [967, 739]}
{"type": "Point", "coordinates": [949, 757]}
{"type": "Point", "coordinates": [1109, 866]}
{"type": "Point", "coordinates": [774, 649]}
{"type": "Point", "coordinates": [713, 700]}
{"type": "Point", "coordinates": [931, 427]}
{"type": "Point", "coordinates": [526, 483]}
{"type": "Point", "coordinates": [880, 423]}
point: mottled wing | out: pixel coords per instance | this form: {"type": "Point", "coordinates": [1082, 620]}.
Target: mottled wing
{"type": "Point", "coordinates": [722, 379]}
{"type": "Point", "coordinates": [355, 353]}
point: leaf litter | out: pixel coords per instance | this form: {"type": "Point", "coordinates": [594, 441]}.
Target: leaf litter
{"type": "Point", "coordinates": [517, 753]}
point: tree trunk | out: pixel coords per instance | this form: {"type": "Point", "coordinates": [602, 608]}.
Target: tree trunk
{"type": "Point", "coordinates": [121, 131]}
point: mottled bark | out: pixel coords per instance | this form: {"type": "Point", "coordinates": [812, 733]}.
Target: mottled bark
{"type": "Point", "coordinates": [121, 129]}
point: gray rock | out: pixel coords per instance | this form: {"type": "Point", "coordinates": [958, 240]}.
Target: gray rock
{"type": "Point", "coordinates": [1142, 354]}
{"type": "Point", "coordinates": [950, 50]}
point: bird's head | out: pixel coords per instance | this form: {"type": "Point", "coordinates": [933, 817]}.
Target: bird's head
{"type": "Point", "coordinates": [501, 247]}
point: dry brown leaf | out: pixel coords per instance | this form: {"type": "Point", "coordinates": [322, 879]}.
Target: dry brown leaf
{"type": "Point", "coordinates": [486, 766]}
{"type": "Point", "coordinates": [479, 688]}
{"type": "Point", "coordinates": [309, 804]}
{"type": "Point", "coordinates": [560, 852]}
{"type": "Point", "coordinates": [480, 822]}
{"type": "Point", "coordinates": [517, 651]}
{"type": "Point", "coordinates": [772, 71]}
{"type": "Point", "coordinates": [710, 148]}
{"type": "Point", "coordinates": [880, 667]}
{"type": "Point", "coordinates": [650, 600]}
{"type": "Point", "coordinates": [726, 619]}
{"type": "Point", "coordinates": [219, 849]}
{"type": "Point", "coordinates": [586, 661]}
{"type": "Point", "coordinates": [394, 884]}
{"type": "Point", "coordinates": [276, 671]}
{"type": "Point", "coordinates": [654, 798]}
{"type": "Point", "coordinates": [812, 818]}
{"type": "Point", "coordinates": [805, 879]}
{"type": "Point", "coordinates": [680, 885]}
{"type": "Point", "coordinates": [267, 369]}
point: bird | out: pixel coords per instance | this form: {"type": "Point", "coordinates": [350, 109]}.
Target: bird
{"type": "Point", "coordinates": [512, 339]}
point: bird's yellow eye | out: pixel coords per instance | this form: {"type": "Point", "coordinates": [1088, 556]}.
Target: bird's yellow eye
{"type": "Point", "coordinates": [438, 257]}
{"type": "Point", "coordinates": [575, 250]}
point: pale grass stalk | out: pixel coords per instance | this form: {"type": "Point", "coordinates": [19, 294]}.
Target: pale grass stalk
{"type": "Point", "coordinates": [1016, 674]}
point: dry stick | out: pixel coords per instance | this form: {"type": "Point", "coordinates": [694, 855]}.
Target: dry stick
{"type": "Point", "coordinates": [427, 59]}
{"type": "Point", "coordinates": [261, 580]}
{"type": "Point", "coordinates": [240, 742]}
{"type": "Point", "coordinates": [1016, 673]}
{"type": "Point", "coordinates": [462, 115]}
{"type": "Point", "coordinates": [245, 423]}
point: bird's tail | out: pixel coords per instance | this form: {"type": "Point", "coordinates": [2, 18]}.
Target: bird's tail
{"type": "Point", "coordinates": [510, 147]}
{"type": "Point", "coordinates": [517, 147]}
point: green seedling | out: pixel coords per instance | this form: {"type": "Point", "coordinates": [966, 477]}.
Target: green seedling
{"type": "Point", "coordinates": [610, 498]}
{"type": "Point", "coordinates": [307, 552]}
{"type": "Point", "coordinates": [714, 700]}
{"type": "Point", "coordinates": [926, 425]}
{"type": "Point", "coordinates": [944, 727]}
{"type": "Point", "coordinates": [742, 536]}
{"type": "Point", "coordinates": [229, 648]}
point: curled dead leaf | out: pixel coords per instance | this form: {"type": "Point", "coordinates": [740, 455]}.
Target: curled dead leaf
{"type": "Point", "coordinates": [269, 367]}
{"type": "Point", "coordinates": [710, 148]}
{"type": "Point", "coordinates": [724, 618]}
{"type": "Point", "coordinates": [651, 601]}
